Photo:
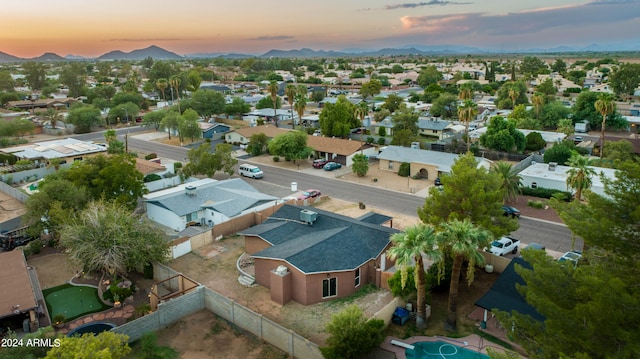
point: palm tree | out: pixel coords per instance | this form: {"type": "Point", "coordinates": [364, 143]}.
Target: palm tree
{"type": "Point", "coordinates": [466, 112]}
{"type": "Point", "coordinates": [162, 85]}
{"type": "Point", "coordinates": [290, 91]}
{"type": "Point", "coordinates": [605, 106]}
{"type": "Point", "coordinates": [461, 240]}
{"type": "Point", "coordinates": [174, 81]}
{"type": "Point", "coordinates": [273, 90]}
{"type": "Point", "coordinates": [511, 182]}
{"type": "Point", "coordinates": [300, 105]}
{"type": "Point", "coordinates": [538, 101]}
{"type": "Point", "coordinates": [466, 91]}
{"type": "Point", "coordinates": [408, 247]}
{"type": "Point", "coordinates": [514, 93]}
{"type": "Point", "coordinates": [579, 175]}
{"type": "Point", "coordinates": [53, 116]}
{"type": "Point", "coordinates": [361, 111]}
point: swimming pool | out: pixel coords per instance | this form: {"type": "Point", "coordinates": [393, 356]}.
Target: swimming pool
{"type": "Point", "coordinates": [95, 328]}
{"type": "Point", "coordinates": [441, 350]}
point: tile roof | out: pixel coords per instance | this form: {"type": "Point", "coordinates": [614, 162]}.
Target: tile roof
{"type": "Point", "coordinates": [338, 146]}
{"type": "Point", "coordinates": [19, 293]}
{"type": "Point", "coordinates": [229, 197]}
{"type": "Point", "coordinates": [332, 243]}
{"type": "Point", "coordinates": [147, 167]}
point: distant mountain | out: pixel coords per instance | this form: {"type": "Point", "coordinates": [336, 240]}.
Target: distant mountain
{"type": "Point", "coordinates": [154, 52]}
{"type": "Point", "coordinates": [4, 57]}
{"type": "Point", "coordinates": [48, 56]}
{"type": "Point", "coordinates": [211, 55]}
{"type": "Point", "coordinates": [75, 57]}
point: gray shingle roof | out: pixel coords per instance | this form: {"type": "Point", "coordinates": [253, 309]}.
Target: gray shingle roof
{"type": "Point", "coordinates": [443, 160]}
{"type": "Point", "coordinates": [332, 243]}
{"type": "Point", "coordinates": [431, 124]}
{"type": "Point", "coordinates": [229, 197]}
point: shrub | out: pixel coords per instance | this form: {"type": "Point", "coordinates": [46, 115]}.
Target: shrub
{"type": "Point", "coordinates": [151, 156]}
{"type": "Point", "coordinates": [546, 193]}
{"type": "Point", "coordinates": [382, 141]}
{"type": "Point", "coordinates": [382, 131]}
{"type": "Point", "coordinates": [177, 166]}
{"type": "Point", "coordinates": [370, 140]}
{"type": "Point", "coordinates": [59, 319]}
{"type": "Point", "coordinates": [395, 284]}
{"type": "Point", "coordinates": [151, 177]}
{"type": "Point", "coordinates": [36, 246]}
{"type": "Point", "coordinates": [276, 159]}
{"type": "Point", "coordinates": [405, 169]}
{"type": "Point", "coordinates": [352, 335]}
{"type": "Point", "coordinates": [535, 204]}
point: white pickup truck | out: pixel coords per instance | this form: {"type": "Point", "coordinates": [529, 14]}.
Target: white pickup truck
{"type": "Point", "coordinates": [504, 246]}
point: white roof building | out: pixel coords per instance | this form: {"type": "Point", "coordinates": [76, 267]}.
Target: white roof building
{"type": "Point", "coordinates": [552, 176]}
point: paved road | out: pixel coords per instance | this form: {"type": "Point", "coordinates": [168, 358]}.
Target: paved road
{"type": "Point", "coordinates": [277, 181]}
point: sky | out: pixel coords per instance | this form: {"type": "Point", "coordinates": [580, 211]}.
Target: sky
{"type": "Point", "coordinates": [29, 28]}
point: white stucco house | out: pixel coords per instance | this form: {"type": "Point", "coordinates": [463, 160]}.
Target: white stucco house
{"type": "Point", "coordinates": [553, 176]}
{"type": "Point", "coordinates": [204, 202]}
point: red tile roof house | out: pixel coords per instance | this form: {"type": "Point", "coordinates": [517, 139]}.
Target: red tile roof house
{"type": "Point", "coordinates": [309, 255]}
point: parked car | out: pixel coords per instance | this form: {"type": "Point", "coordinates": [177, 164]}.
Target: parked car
{"type": "Point", "coordinates": [536, 246]}
{"type": "Point", "coordinates": [511, 211]}
{"type": "Point", "coordinates": [319, 163]}
{"type": "Point", "coordinates": [330, 166]}
{"type": "Point", "coordinates": [504, 245]}
{"type": "Point", "coordinates": [571, 256]}
{"type": "Point", "coordinates": [310, 193]}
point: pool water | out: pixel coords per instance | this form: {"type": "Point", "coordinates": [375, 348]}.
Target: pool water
{"type": "Point", "coordinates": [441, 350]}
{"type": "Point", "coordinates": [73, 301]}
{"type": "Point", "coordinates": [95, 328]}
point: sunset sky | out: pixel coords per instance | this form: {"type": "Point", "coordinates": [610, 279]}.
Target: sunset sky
{"type": "Point", "coordinates": [29, 28]}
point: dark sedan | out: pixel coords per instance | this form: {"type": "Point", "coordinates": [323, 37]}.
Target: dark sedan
{"type": "Point", "coordinates": [511, 211]}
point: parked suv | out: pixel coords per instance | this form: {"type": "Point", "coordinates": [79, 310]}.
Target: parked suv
{"type": "Point", "coordinates": [511, 211]}
{"type": "Point", "coordinates": [319, 163]}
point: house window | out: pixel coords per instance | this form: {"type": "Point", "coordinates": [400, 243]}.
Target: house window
{"type": "Point", "coordinates": [329, 287]}
{"type": "Point", "coordinates": [357, 277]}
{"type": "Point", "coordinates": [534, 185]}
{"type": "Point", "coordinates": [390, 165]}
{"type": "Point", "coordinates": [192, 216]}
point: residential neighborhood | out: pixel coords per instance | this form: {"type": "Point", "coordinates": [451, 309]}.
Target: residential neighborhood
{"type": "Point", "coordinates": [380, 181]}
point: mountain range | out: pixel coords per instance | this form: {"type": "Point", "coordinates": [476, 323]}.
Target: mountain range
{"type": "Point", "coordinates": [158, 53]}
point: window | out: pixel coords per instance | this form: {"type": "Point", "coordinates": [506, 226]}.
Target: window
{"type": "Point", "coordinates": [192, 216]}
{"type": "Point", "coordinates": [357, 277]}
{"type": "Point", "coordinates": [390, 165]}
{"type": "Point", "coordinates": [329, 287]}
{"type": "Point", "coordinates": [534, 185]}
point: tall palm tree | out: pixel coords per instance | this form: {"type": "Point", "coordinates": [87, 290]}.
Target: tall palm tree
{"type": "Point", "coordinates": [605, 106]}
{"type": "Point", "coordinates": [300, 105]}
{"type": "Point", "coordinates": [461, 240]}
{"type": "Point", "coordinates": [290, 91]}
{"type": "Point", "coordinates": [580, 174]}
{"type": "Point", "coordinates": [538, 100]}
{"type": "Point", "coordinates": [302, 90]}
{"type": "Point", "coordinates": [511, 181]}
{"type": "Point", "coordinates": [162, 85]}
{"type": "Point", "coordinates": [361, 111]}
{"type": "Point", "coordinates": [466, 91]}
{"type": "Point", "coordinates": [273, 90]}
{"type": "Point", "coordinates": [408, 247]}
{"type": "Point", "coordinates": [175, 81]}
{"type": "Point", "coordinates": [53, 116]}
{"type": "Point", "coordinates": [466, 112]}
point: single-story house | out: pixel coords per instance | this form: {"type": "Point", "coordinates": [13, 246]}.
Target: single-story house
{"type": "Point", "coordinates": [338, 149]}
{"type": "Point", "coordinates": [425, 164]}
{"type": "Point", "coordinates": [41, 103]}
{"type": "Point", "coordinates": [209, 129]}
{"type": "Point", "coordinates": [548, 136]}
{"type": "Point", "coordinates": [204, 202]}
{"type": "Point", "coordinates": [19, 300]}
{"type": "Point", "coordinates": [67, 149]}
{"type": "Point", "coordinates": [268, 114]}
{"type": "Point", "coordinates": [433, 127]}
{"type": "Point", "coordinates": [243, 135]}
{"type": "Point", "coordinates": [554, 176]}
{"type": "Point", "coordinates": [309, 255]}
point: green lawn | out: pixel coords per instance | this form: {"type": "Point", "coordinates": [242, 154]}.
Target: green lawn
{"type": "Point", "coordinates": [73, 301]}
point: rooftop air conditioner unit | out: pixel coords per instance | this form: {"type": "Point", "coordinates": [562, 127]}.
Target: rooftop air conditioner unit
{"type": "Point", "coordinates": [308, 216]}
{"type": "Point", "coordinates": [190, 191]}
{"type": "Point", "coordinates": [552, 166]}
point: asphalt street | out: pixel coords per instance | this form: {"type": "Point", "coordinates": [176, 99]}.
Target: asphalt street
{"type": "Point", "coordinates": [277, 182]}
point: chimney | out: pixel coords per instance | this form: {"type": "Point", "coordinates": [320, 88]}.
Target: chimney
{"type": "Point", "coordinates": [190, 191]}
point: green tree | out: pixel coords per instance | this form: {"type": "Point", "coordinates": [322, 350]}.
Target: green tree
{"type": "Point", "coordinates": [35, 74]}
{"type": "Point", "coordinates": [605, 105]}
{"type": "Point", "coordinates": [53, 116]}
{"type": "Point", "coordinates": [625, 79]}
{"type": "Point", "coordinates": [208, 103]}
{"type": "Point", "coordinates": [532, 66]}
{"type": "Point", "coordinates": [290, 91]}
{"type": "Point", "coordinates": [73, 76]}
{"type": "Point", "coordinates": [510, 181]}
{"type": "Point", "coordinates": [547, 89]}
{"type": "Point", "coordinates": [429, 75]}
{"type": "Point", "coordinates": [502, 135]}
{"type": "Point", "coordinates": [511, 94]}
{"type": "Point", "coordinates": [203, 162]}
{"type": "Point", "coordinates": [83, 117]}
{"type": "Point", "coordinates": [580, 174]}
{"type": "Point", "coordinates": [559, 66]}
{"type": "Point", "coordinates": [337, 119]}
{"type": "Point", "coordinates": [125, 112]}
{"type": "Point", "coordinates": [461, 240]}
{"type": "Point", "coordinates": [162, 84]}
{"type": "Point", "coordinates": [188, 125]}
{"type": "Point", "coordinates": [566, 126]}
{"type": "Point", "coordinates": [538, 100]}
{"type": "Point", "coordinates": [392, 102]}
{"type": "Point", "coordinates": [445, 106]}
{"type": "Point", "coordinates": [551, 114]}
{"type": "Point", "coordinates": [408, 248]}
{"type": "Point", "coordinates": [273, 91]}
{"type": "Point", "coordinates": [106, 237]}
{"type": "Point", "coordinates": [7, 84]}
{"type": "Point", "coordinates": [170, 122]}
{"type": "Point", "coordinates": [465, 92]}
{"type": "Point", "coordinates": [106, 345]}
{"type": "Point", "coordinates": [469, 191]}
{"type": "Point", "coordinates": [154, 119]}
{"type": "Point", "coordinates": [257, 144]}
{"type": "Point", "coordinates": [559, 152]}
{"type": "Point", "coordinates": [535, 142]}
{"type": "Point", "coordinates": [237, 107]}
{"type": "Point", "coordinates": [619, 151]}
{"type": "Point", "coordinates": [291, 145]}
{"type": "Point", "coordinates": [352, 335]}
{"type": "Point", "coordinates": [370, 88]}
{"type": "Point", "coordinates": [360, 164]}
